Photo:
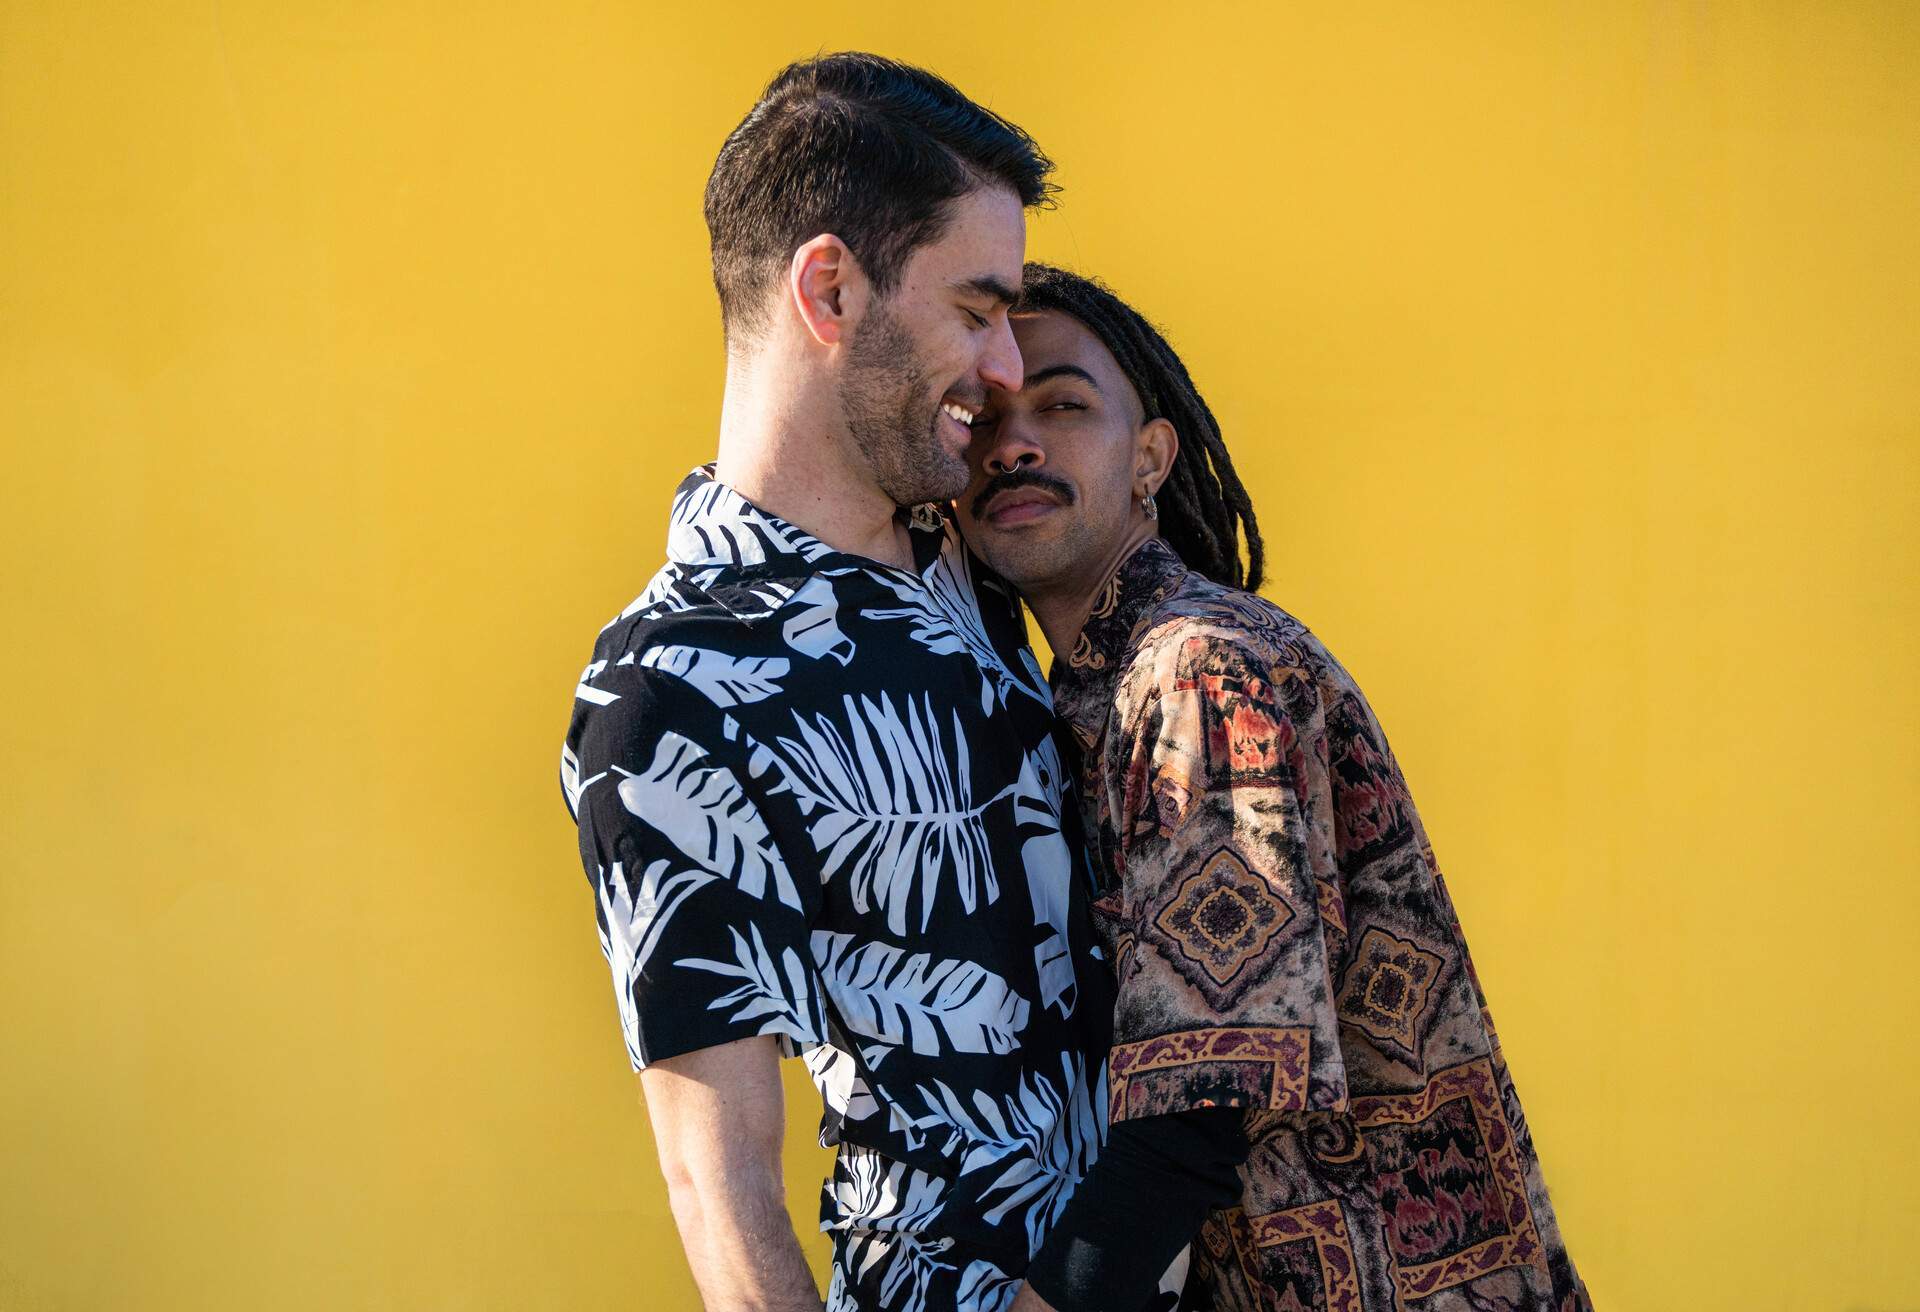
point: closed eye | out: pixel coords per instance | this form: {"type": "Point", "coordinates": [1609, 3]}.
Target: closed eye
{"type": "Point", "coordinates": [979, 321]}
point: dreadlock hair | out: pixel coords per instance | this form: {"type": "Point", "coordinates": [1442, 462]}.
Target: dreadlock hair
{"type": "Point", "coordinates": [1204, 509]}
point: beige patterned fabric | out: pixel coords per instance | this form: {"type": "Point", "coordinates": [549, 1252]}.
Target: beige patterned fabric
{"type": "Point", "coordinates": [1282, 941]}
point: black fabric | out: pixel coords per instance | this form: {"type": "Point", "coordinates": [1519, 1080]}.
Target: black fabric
{"type": "Point", "coordinates": [1138, 1207]}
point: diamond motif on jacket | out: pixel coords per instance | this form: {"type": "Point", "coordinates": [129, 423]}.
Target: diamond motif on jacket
{"type": "Point", "coordinates": [1223, 916]}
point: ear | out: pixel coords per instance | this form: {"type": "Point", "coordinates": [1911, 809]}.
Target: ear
{"type": "Point", "coordinates": [827, 289]}
{"type": "Point", "coordinates": [1154, 447]}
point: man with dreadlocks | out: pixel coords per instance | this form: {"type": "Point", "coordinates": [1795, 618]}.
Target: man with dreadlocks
{"type": "Point", "coordinates": [1304, 1081]}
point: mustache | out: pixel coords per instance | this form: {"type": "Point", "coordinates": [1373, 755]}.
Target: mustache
{"type": "Point", "coordinates": [1014, 478]}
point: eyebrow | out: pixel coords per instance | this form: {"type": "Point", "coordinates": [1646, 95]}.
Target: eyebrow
{"type": "Point", "coordinates": [1060, 371]}
{"type": "Point", "coordinates": [997, 290]}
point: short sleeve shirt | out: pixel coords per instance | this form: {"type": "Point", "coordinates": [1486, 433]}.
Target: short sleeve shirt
{"type": "Point", "coordinates": [819, 798]}
{"type": "Point", "coordinates": [1283, 942]}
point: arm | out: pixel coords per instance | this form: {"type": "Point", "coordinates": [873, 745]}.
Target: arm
{"type": "Point", "coordinates": [1231, 902]}
{"type": "Point", "coordinates": [705, 931]}
{"type": "Point", "coordinates": [1028, 1301]}
{"type": "Point", "coordinates": [1136, 1210]}
{"type": "Point", "coordinates": [717, 1118]}
{"type": "Point", "coordinates": [1222, 973]}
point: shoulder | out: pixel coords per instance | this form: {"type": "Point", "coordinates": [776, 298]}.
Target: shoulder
{"type": "Point", "coordinates": [676, 633]}
{"type": "Point", "coordinates": [1217, 640]}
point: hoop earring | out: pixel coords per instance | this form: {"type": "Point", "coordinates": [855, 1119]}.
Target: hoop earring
{"type": "Point", "coordinates": [1148, 505]}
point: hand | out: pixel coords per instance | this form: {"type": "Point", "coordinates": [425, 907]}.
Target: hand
{"type": "Point", "coordinates": [1028, 1301]}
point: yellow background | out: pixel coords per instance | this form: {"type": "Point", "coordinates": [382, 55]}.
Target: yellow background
{"type": "Point", "coordinates": [349, 352]}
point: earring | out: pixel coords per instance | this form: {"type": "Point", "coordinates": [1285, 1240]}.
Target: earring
{"type": "Point", "coordinates": [1147, 504]}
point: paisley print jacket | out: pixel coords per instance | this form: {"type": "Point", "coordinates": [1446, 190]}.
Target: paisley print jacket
{"type": "Point", "coordinates": [1283, 942]}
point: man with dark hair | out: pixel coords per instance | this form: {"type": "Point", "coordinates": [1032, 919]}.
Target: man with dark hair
{"type": "Point", "coordinates": [818, 798]}
{"type": "Point", "coordinates": [1304, 1079]}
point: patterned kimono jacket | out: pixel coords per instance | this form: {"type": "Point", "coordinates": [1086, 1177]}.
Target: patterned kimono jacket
{"type": "Point", "coordinates": [1283, 942]}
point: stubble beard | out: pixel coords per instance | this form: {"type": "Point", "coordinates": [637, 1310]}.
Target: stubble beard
{"type": "Point", "coordinates": [1039, 566]}
{"type": "Point", "coordinates": [893, 416]}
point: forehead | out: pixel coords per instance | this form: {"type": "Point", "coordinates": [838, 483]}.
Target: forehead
{"type": "Point", "coordinates": [986, 235]}
{"type": "Point", "coordinates": [1049, 338]}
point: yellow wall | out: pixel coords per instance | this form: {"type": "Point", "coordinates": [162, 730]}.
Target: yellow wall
{"type": "Point", "coordinates": [348, 353]}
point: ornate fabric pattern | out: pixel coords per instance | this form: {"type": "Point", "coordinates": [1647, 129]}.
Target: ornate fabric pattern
{"type": "Point", "coordinates": [1222, 918]}
{"type": "Point", "coordinates": [1283, 941]}
{"type": "Point", "coordinates": [819, 798]}
{"type": "Point", "coordinates": [1388, 985]}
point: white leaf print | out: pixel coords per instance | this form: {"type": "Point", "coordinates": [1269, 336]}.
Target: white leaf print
{"type": "Point", "coordinates": [892, 804]}
{"type": "Point", "coordinates": [884, 1194]}
{"type": "Point", "coordinates": [1035, 676]}
{"type": "Point", "coordinates": [725, 680]}
{"type": "Point", "coordinates": [571, 782]}
{"type": "Point", "coordinates": [634, 922]}
{"type": "Point", "coordinates": [1039, 1140]}
{"type": "Point", "coordinates": [771, 596]}
{"type": "Point", "coordinates": [884, 993]}
{"type": "Point", "coordinates": [713, 524]}
{"type": "Point", "coordinates": [837, 1075]}
{"type": "Point", "coordinates": [665, 594]}
{"type": "Point", "coordinates": [812, 626]}
{"type": "Point", "coordinates": [1049, 869]}
{"type": "Point", "coordinates": [839, 1298]}
{"type": "Point", "coordinates": [984, 1287]}
{"type": "Point", "coordinates": [702, 808]}
{"type": "Point", "coordinates": [1174, 1279]}
{"type": "Point", "coordinates": [586, 692]}
{"type": "Point", "coordinates": [905, 1264]}
{"type": "Point", "coordinates": [1053, 963]}
{"type": "Point", "coordinates": [943, 607]}
{"type": "Point", "coordinates": [786, 1001]}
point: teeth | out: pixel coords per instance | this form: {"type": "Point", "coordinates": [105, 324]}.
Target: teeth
{"type": "Point", "coordinates": [958, 412]}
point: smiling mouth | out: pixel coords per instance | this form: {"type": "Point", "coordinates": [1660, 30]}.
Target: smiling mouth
{"type": "Point", "coordinates": [961, 417]}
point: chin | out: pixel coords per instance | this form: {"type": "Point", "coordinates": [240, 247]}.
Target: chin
{"type": "Point", "coordinates": [938, 477]}
{"type": "Point", "coordinates": [1024, 564]}
{"type": "Point", "coordinates": [943, 484]}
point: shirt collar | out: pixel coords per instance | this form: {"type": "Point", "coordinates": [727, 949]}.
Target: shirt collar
{"type": "Point", "coordinates": [712, 526]}
{"type": "Point", "coordinates": [1084, 682]}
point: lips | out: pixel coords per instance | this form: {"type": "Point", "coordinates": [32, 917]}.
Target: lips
{"type": "Point", "coordinates": [1020, 505]}
{"type": "Point", "coordinates": [959, 421]}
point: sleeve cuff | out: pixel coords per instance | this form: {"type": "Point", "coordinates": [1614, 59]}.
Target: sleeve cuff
{"type": "Point", "coordinates": [1261, 1069]}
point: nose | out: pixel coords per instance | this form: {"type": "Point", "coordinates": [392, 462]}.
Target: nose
{"type": "Point", "coordinates": [1012, 447]}
{"type": "Point", "coordinates": [1001, 366]}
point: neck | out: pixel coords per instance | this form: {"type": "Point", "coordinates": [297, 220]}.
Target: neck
{"type": "Point", "coordinates": [784, 447]}
{"type": "Point", "coordinates": [1062, 606]}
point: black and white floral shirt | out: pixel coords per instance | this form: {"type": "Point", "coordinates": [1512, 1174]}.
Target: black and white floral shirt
{"type": "Point", "coordinates": [818, 798]}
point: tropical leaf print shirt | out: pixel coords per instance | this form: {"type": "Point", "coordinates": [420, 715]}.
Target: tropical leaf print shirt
{"type": "Point", "coordinates": [818, 798]}
{"type": "Point", "coordinates": [1283, 942]}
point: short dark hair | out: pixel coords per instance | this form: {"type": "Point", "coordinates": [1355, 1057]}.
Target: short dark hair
{"type": "Point", "coordinates": [866, 148]}
{"type": "Point", "coordinates": [1204, 508]}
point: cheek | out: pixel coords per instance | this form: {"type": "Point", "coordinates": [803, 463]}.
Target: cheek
{"type": "Point", "coordinates": [1106, 484]}
{"type": "Point", "coordinates": [975, 484]}
{"type": "Point", "coordinates": [977, 452]}
{"type": "Point", "coordinates": [943, 346]}
{"type": "Point", "coordinates": [1106, 505]}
